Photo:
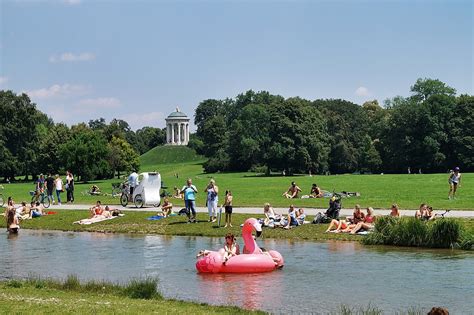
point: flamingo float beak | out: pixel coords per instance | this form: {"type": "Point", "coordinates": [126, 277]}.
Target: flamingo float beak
{"type": "Point", "coordinates": [259, 233]}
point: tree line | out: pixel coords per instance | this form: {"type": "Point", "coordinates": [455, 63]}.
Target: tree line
{"type": "Point", "coordinates": [32, 143]}
{"type": "Point", "coordinates": [431, 130]}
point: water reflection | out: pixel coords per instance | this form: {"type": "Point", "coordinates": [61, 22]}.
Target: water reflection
{"type": "Point", "coordinates": [331, 272]}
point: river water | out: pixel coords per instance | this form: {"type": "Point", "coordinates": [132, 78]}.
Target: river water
{"type": "Point", "coordinates": [317, 277]}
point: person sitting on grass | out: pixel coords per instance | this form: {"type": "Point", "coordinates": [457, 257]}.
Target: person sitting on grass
{"type": "Point", "coordinates": [301, 216]}
{"type": "Point", "coordinates": [292, 191]}
{"type": "Point", "coordinates": [269, 213]}
{"type": "Point", "coordinates": [367, 224]}
{"type": "Point", "coordinates": [166, 208]}
{"type": "Point", "coordinates": [291, 219]}
{"type": "Point", "coordinates": [428, 215]}
{"type": "Point", "coordinates": [177, 193]}
{"type": "Point", "coordinates": [23, 211]}
{"type": "Point", "coordinates": [36, 210]}
{"type": "Point", "coordinates": [315, 192]}
{"type": "Point", "coordinates": [420, 213]}
{"type": "Point", "coordinates": [357, 215]}
{"type": "Point", "coordinates": [95, 190]}
{"type": "Point", "coordinates": [231, 247]}
{"type": "Point", "coordinates": [96, 210]}
{"type": "Point", "coordinates": [394, 212]}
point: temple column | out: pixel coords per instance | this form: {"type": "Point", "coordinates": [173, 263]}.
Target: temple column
{"type": "Point", "coordinates": [172, 133]}
{"type": "Point", "coordinates": [179, 133]}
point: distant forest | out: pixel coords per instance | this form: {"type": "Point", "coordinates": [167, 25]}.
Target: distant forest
{"type": "Point", "coordinates": [431, 130]}
{"type": "Point", "coordinates": [31, 143]}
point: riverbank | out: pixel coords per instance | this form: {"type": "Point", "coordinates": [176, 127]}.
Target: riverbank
{"type": "Point", "coordinates": [38, 296]}
{"type": "Point", "coordinates": [135, 222]}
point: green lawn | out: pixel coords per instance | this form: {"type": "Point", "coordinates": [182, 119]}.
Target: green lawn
{"type": "Point", "coordinates": [136, 223]}
{"type": "Point", "coordinates": [45, 297]}
{"type": "Point", "coordinates": [249, 189]}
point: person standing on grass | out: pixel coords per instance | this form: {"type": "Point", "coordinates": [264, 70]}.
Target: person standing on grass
{"type": "Point", "coordinates": [212, 199]}
{"type": "Point", "coordinates": [69, 187]}
{"type": "Point", "coordinates": [50, 187]}
{"type": "Point", "coordinates": [190, 191]}
{"type": "Point", "coordinates": [228, 208]}
{"type": "Point", "coordinates": [58, 182]}
{"type": "Point", "coordinates": [454, 182]}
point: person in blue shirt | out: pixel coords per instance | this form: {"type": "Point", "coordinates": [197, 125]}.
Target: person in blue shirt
{"type": "Point", "coordinates": [189, 191]}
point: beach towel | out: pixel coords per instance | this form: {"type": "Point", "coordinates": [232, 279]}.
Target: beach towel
{"type": "Point", "coordinates": [96, 219]}
{"type": "Point", "coordinates": [155, 218]}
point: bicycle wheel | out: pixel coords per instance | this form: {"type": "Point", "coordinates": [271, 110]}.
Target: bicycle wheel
{"type": "Point", "coordinates": [2, 202]}
{"type": "Point", "coordinates": [46, 202]}
{"type": "Point", "coordinates": [124, 200]}
{"type": "Point", "coordinates": [139, 202]}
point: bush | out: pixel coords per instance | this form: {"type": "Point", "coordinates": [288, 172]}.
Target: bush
{"type": "Point", "coordinates": [72, 283]}
{"type": "Point", "coordinates": [142, 289]}
{"type": "Point", "coordinates": [441, 233]}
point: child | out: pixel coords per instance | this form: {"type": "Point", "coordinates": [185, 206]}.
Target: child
{"type": "Point", "coordinates": [228, 208]}
{"type": "Point", "coordinates": [231, 248]}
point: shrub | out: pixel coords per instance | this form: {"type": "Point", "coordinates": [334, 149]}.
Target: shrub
{"type": "Point", "coordinates": [14, 284]}
{"type": "Point", "coordinates": [142, 289]}
{"type": "Point", "coordinates": [72, 283]}
{"type": "Point", "coordinates": [445, 233]}
{"type": "Point", "coordinates": [442, 233]}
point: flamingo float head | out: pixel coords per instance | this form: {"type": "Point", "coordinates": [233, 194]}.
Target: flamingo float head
{"type": "Point", "coordinates": [250, 225]}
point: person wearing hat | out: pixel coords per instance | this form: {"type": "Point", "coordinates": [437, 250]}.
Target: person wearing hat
{"type": "Point", "coordinates": [454, 182]}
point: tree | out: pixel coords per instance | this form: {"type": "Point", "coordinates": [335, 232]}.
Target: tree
{"type": "Point", "coordinates": [122, 157]}
{"type": "Point", "coordinates": [85, 154]}
{"type": "Point", "coordinates": [19, 119]}
{"type": "Point", "coordinates": [424, 88]}
{"type": "Point", "coordinates": [148, 138]}
{"type": "Point", "coordinates": [48, 158]}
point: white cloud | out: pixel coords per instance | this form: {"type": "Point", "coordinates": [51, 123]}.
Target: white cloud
{"type": "Point", "coordinates": [3, 81]}
{"type": "Point", "coordinates": [362, 91]}
{"type": "Point", "coordinates": [100, 102]}
{"type": "Point", "coordinates": [70, 57]}
{"type": "Point", "coordinates": [57, 90]}
{"type": "Point", "coordinates": [152, 119]}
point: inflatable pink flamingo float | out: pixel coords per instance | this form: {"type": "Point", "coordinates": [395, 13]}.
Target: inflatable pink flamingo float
{"type": "Point", "coordinates": [252, 259]}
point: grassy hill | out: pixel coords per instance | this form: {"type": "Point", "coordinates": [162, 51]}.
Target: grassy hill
{"type": "Point", "coordinates": [168, 155]}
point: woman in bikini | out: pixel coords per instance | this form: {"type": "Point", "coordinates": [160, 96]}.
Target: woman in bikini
{"type": "Point", "coordinates": [367, 224]}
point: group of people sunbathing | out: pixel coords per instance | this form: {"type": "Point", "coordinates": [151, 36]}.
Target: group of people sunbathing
{"type": "Point", "coordinates": [293, 191]}
{"type": "Point", "coordinates": [291, 219]}
{"type": "Point", "coordinates": [358, 222]}
{"type": "Point", "coordinates": [15, 214]}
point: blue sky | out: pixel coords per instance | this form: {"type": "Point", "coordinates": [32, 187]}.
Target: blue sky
{"type": "Point", "coordinates": [138, 60]}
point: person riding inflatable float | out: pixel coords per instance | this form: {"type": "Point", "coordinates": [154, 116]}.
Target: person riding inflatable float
{"type": "Point", "coordinates": [253, 259]}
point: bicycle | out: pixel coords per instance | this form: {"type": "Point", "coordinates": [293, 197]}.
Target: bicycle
{"type": "Point", "coordinates": [42, 198]}
{"type": "Point", "coordinates": [117, 189]}
{"type": "Point", "coordinates": [2, 201]}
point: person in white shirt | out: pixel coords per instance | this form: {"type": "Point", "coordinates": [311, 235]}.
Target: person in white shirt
{"type": "Point", "coordinates": [132, 182]}
{"type": "Point", "coordinates": [58, 182]}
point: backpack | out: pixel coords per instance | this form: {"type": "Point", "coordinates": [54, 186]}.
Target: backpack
{"type": "Point", "coordinates": [183, 212]}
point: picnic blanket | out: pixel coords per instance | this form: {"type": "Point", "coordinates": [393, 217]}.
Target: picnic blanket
{"type": "Point", "coordinates": [155, 218]}
{"type": "Point", "coordinates": [96, 219]}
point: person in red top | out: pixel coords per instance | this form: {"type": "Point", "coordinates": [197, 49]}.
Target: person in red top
{"type": "Point", "coordinates": [96, 210]}
{"type": "Point", "coordinates": [367, 224]}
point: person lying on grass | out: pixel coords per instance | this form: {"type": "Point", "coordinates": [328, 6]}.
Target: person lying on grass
{"type": "Point", "coordinates": [337, 226]}
{"type": "Point", "coordinates": [367, 224]}
{"type": "Point", "coordinates": [292, 191]}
